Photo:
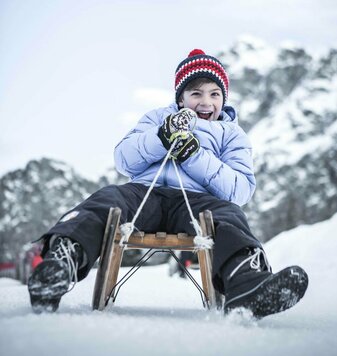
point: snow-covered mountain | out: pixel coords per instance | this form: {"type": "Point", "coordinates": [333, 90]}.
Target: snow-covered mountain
{"type": "Point", "coordinates": [287, 102]}
{"type": "Point", "coordinates": [155, 314]}
{"type": "Point", "coordinates": [33, 198]}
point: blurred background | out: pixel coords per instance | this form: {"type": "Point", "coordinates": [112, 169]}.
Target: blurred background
{"type": "Point", "coordinates": [75, 76]}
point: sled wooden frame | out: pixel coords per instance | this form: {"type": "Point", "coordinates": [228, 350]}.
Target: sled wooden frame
{"type": "Point", "coordinates": [112, 254]}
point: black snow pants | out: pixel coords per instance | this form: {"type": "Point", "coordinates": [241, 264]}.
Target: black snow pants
{"type": "Point", "coordinates": [165, 210]}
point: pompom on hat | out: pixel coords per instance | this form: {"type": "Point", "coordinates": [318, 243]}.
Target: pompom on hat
{"type": "Point", "coordinates": [200, 65]}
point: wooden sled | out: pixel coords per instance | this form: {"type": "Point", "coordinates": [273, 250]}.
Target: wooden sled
{"type": "Point", "coordinates": [106, 285]}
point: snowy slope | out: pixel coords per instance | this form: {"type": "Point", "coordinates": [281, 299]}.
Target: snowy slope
{"type": "Point", "coordinates": [156, 314]}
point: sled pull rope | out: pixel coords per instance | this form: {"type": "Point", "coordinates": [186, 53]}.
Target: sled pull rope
{"type": "Point", "coordinates": [127, 228]}
{"type": "Point", "coordinates": [200, 242]}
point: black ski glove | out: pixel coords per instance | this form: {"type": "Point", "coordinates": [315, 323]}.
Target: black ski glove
{"type": "Point", "coordinates": [185, 148]}
{"type": "Point", "coordinates": [176, 126]}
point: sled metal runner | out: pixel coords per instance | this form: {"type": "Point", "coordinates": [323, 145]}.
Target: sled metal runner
{"type": "Point", "coordinates": [106, 285]}
{"type": "Point", "coordinates": [141, 262]}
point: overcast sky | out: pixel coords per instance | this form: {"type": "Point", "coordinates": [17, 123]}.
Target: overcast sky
{"type": "Point", "coordinates": [76, 75]}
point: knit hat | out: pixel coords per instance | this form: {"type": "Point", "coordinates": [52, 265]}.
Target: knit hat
{"type": "Point", "coordinates": [200, 65]}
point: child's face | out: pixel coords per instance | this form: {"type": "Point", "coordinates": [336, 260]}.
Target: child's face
{"type": "Point", "coordinates": [206, 101]}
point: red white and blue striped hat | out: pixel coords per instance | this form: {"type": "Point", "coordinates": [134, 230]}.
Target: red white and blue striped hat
{"type": "Point", "coordinates": [200, 65]}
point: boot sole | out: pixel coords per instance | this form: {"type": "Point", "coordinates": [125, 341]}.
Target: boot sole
{"type": "Point", "coordinates": [275, 294]}
{"type": "Point", "coordinates": [48, 283]}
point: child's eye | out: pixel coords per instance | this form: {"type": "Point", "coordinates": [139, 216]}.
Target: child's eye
{"type": "Point", "coordinates": [195, 93]}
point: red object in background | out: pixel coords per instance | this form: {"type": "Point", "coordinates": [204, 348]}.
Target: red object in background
{"type": "Point", "coordinates": [7, 269]}
{"type": "Point", "coordinates": [36, 261]}
{"type": "Point", "coordinates": [188, 263]}
{"type": "Point", "coordinates": [6, 265]}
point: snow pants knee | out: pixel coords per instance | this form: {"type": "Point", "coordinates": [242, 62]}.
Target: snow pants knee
{"type": "Point", "coordinates": [164, 210]}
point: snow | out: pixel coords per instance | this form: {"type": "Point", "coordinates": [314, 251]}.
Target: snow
{"type": "Point", "coordinates": [323, 91]}
{"type": "Point", "coordinates": [277, 138]}
{"type": "Point", "coordinates": [155, 314]}
{"type": "Point", "coordinates": [248, 106]}
{"type": "Point", "coordinates": [253, 54]}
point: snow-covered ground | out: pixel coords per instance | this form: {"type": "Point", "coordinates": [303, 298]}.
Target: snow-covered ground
{"type": "Point", "coordinates": [155, 314]}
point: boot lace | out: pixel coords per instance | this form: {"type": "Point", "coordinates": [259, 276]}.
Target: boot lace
{"type": "Point", "coordinates": [65, 251]}
{"type": "Point", "coordinates": [255, 262]}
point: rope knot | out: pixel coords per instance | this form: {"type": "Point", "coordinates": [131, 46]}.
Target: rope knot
{"type": "Point", "coordinates": [203, 242]}
{"type": "Point", "coordinates": [126, 231]}
{"type": "Point", "coordinates": [200, 242]}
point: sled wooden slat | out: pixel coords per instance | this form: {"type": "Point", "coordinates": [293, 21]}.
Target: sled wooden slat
{"type": "Point", "coordinates": [159, 235]}
{"type": "Point", "coordinates": [159, 240]}
{"type": "Point", "coordinates": [112, 254]}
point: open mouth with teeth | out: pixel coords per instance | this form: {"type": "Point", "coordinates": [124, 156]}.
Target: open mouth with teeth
{"type": "Point", "coordinates": [206, 115]}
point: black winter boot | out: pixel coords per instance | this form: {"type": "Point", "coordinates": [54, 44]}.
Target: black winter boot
{"type": "Point", "coordinates": [249, 283]}
{"type": "Point", "coordinates": [52, 277]}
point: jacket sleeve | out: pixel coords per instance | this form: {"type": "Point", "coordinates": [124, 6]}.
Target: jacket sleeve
{"type": "Point", "coordinates": [141, 147]}
{"type": "Point", "coordinates": [229, 176]}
